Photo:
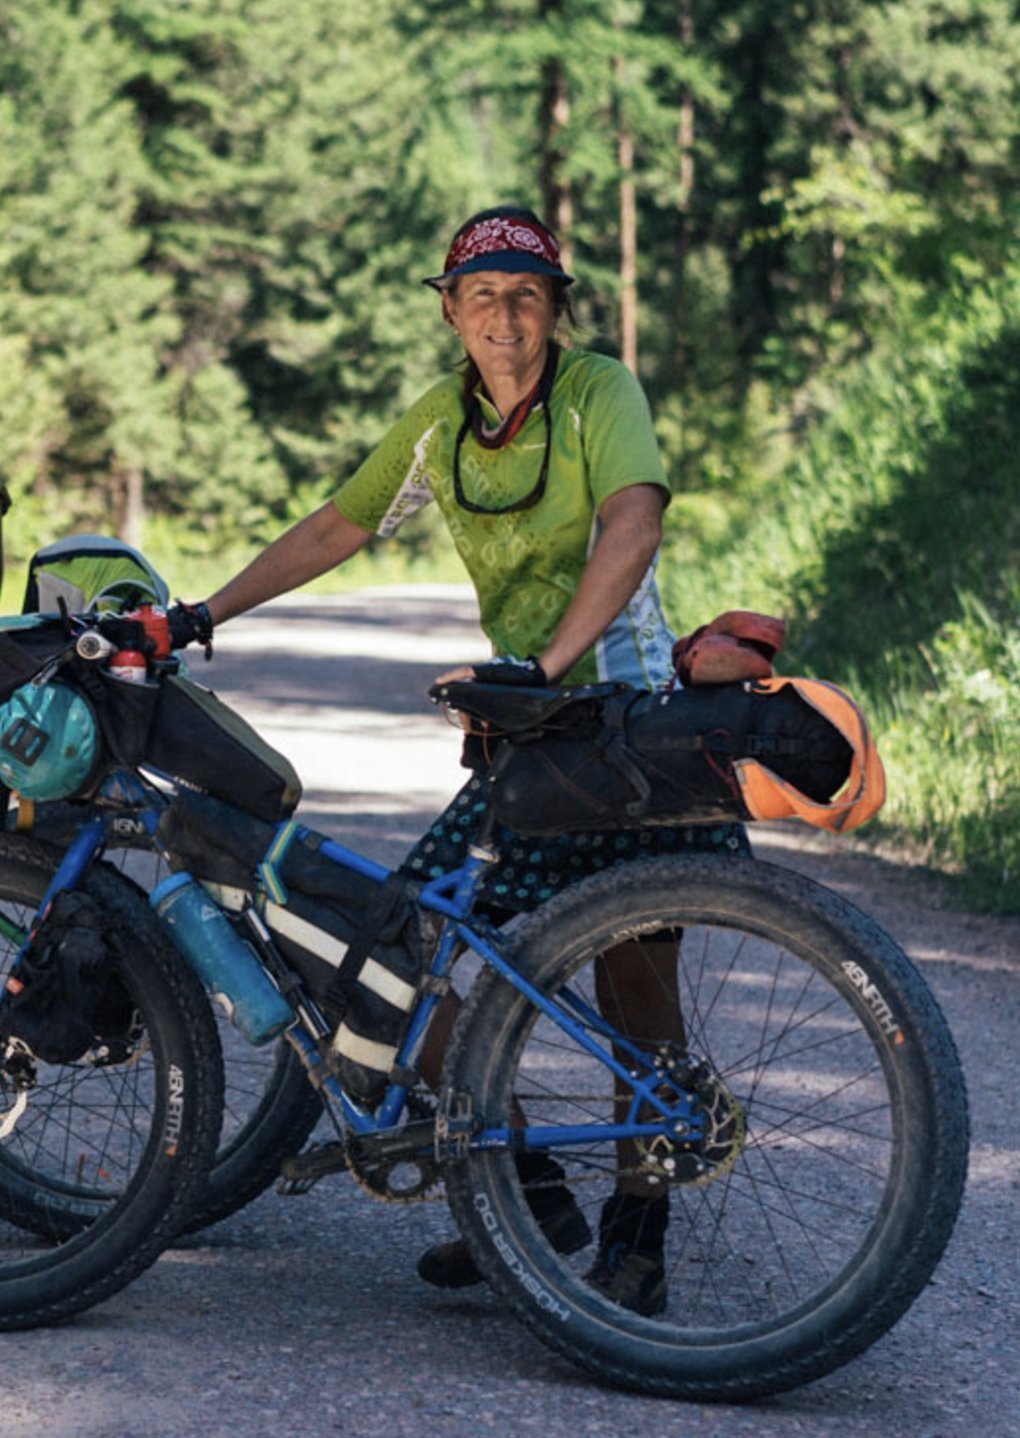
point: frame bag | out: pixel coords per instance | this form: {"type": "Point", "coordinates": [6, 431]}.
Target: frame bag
{"type": "Point", "coordinates": [201, 741]}
{"type": "Point", "coordinates": [356, 944]}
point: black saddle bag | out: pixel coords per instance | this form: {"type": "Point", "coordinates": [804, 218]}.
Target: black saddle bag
{"type": "Point", "coordinates": [641, 758]}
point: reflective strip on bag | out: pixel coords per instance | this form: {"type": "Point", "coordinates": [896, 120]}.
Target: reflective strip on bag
{"type": "Point", "coordinates": [366, 1052]}
{"type": "Point", "coordinates": [307, 936]}
{"type": "Point", "coordinates": [766, 796]}
{"type": "Point", "coordinates": [372, 975]}
{"type": "Point", "coordinates": [388, 986]}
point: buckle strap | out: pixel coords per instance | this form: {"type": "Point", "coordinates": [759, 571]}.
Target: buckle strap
{"type": "Point", "coordinates": [391, 893]}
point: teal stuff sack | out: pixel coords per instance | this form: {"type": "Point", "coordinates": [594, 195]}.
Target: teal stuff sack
{"type": "Point", "coordinates": [49, 741]}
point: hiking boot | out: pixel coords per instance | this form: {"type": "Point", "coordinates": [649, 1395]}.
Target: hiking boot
{"type": "Point", "coordinates": [628, 1268]}
{"type": "Point", "coordinates": [450, 1265]}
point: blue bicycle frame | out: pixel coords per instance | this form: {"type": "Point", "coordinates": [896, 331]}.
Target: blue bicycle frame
{"type": "Point", "coordinates": [452, 897]}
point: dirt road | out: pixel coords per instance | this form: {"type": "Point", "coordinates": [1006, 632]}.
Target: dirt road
{"type": "Point", "coordinates": [305, 1314]}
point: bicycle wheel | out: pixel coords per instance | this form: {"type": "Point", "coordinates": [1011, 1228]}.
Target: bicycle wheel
{"type": "Point", "coordinates": [115, 1147]}
{"type": "Point", "coordinates": [269, 1107]}
{"type": "Point", "coordinates": [834, 1156]}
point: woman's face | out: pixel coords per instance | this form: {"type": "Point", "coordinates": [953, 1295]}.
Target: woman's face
{"type": "Point", "coordinates": [505, 322]}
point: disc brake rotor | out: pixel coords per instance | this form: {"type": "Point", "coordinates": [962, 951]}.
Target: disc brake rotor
{"type": "Point", "coordinates": [699, 1162]}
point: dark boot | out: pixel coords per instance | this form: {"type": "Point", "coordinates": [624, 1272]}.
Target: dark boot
{"type": "Point", "coordinates": [450, 1265]}
{"type": "Point", "coordinates": [629, 1266]}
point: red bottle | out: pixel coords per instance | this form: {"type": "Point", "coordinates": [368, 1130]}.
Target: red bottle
{"type": "Point", "coordinates": [128, 665]}
{"type": "Point", "coordinates": [157, 628]}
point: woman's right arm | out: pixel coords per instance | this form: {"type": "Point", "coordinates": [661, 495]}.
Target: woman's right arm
{"type": "Point", "coordinates": [315, 544]}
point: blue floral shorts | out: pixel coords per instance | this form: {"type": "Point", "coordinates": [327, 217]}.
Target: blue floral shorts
{"type": "Point", "coordinates": [530, 871]}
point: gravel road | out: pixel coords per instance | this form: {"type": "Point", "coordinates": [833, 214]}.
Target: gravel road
{"type": "Point", "coordinates": [305, 1314]}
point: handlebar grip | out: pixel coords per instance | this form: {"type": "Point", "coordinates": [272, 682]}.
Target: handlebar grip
{"type": "Point", "coordinates": [94, 646]}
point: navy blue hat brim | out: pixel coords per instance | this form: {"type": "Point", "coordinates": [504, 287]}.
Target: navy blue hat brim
{"type": "Point", "coordinates": [511, 262]}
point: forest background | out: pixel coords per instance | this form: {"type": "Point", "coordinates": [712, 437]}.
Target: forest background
{"type": "Point", "coordinates": [797, 222]}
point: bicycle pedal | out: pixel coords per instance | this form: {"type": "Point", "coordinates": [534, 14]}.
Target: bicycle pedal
{"type": "Point", "coordinates": [299, 1173]}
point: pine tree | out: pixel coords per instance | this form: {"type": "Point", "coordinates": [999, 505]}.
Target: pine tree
{"type": "Point", "coordinates": [84, 320]}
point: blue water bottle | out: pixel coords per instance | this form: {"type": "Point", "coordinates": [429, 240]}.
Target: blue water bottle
{"type": "Point", "coordinates": [223, 961]}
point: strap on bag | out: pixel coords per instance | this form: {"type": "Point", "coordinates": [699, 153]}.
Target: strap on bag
{"type": "Point", "coordinates": [389, 896]}
{"type": "Point", "coordinates": [766, 796]}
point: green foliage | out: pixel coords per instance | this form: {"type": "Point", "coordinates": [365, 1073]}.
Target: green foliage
{"type": "Point", "coordinates": [210, 215]}
{"type": "Point", "coordinates": [952, 752]}
{"type": "Point", "coordinates": [214, 215]}
{"type": "Point", "coordinates": [890, 543]}
{"type": "Point", "coordinates": [82, 315]}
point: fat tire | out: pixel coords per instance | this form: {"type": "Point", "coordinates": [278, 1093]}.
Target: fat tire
{"type": "Point", "coordinates": [836, 946]}
{"type": "Point", "coordinates": [97, 1245]}
{"type": "Point", "coordinates": [255, 1140]}
{"type": "Point", "coordinates": [250, 1160]}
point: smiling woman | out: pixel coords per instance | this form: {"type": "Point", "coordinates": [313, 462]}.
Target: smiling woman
{"type": "Point", "coordinates": [543, 462]}
{"type": "Point", "coordinates": [506, 323]}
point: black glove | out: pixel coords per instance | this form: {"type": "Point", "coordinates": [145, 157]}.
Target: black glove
{"type": "Point", "coordinates": [504, 669]}
{"type": "Point", "coordinates": [190, 623]}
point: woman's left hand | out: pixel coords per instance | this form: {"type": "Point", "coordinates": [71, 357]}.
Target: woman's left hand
{"type": "Point", "coordinates": [453, 675]}
{"type": "Point", "coordinates": [503, 669]}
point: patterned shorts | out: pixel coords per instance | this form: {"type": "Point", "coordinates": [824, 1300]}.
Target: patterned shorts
{"type": "Point", "coordinates": [530, 871]}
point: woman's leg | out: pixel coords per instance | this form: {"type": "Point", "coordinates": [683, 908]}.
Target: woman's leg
{"type": "Point", "coordinates": [638, 992]}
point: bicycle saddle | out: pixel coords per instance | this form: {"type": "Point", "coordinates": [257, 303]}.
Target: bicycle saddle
{"type": "Point", "coordinates": [515, 710]}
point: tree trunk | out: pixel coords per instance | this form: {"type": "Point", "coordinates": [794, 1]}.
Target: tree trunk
{"type": "Point", "coordinates": [553, 117]}
{"type": "Point", "coordinates": [130, 507]}
{"type": "Point", "coordinates": [628, 236]}
{"type": "Point", "coordinates": [685, 189]}
{"type": "Point", "coordinates": [755, 256]}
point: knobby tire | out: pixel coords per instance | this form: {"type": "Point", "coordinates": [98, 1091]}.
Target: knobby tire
{"type": "Point", "coordinates": [105, 1166]}
{"type": "Point", "coordinates": [841, 1142]}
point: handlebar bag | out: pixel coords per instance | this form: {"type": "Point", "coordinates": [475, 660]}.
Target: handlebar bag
{"type": "Point", "coordinates": [27, 644]}
{"type": "Point", "coordinates": [768, 749]}
{"type": "Point", "coordinates": [54, 736]}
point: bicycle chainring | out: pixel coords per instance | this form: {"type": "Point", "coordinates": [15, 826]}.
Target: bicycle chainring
{"type": "Point", "coordinates": [399, 1179]}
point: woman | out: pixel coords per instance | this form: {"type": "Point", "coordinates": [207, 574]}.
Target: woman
{"type": "Point", "coordinates": [555, 507]}
{"type": "Point", "coordinates": [544, 464]}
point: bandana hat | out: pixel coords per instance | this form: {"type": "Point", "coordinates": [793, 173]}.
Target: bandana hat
{"type": "Point", "coordinates": [517, 246]}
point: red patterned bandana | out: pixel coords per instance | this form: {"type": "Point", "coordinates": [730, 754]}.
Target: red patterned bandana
{"type": "Point", "coordinates": [515, 244]}
{"type": "Point", "coordinates": [498, 236]}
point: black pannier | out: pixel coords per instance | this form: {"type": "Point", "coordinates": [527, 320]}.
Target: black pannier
{"type": "Point", "coordinates": [636, 758]}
